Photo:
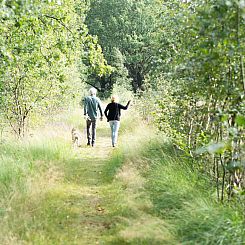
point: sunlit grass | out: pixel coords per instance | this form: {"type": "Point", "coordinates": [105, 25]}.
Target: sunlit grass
{"type": "Point", "coordinates": [28, 171]}
{"type": "Point", "coordinates": [141, 192]}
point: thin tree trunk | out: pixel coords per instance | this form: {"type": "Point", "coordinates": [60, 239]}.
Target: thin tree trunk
{"type": "Point", "coordinates": [223, 178]}
{"type": "Point", "coordinates": [242, 73]}
{"type": "Point", "coordinates": [217, 177]}
{"type": "Point", "coordinates": [238, 45]}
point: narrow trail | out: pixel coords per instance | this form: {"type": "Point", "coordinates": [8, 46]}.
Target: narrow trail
{"type": "Point", "coordinates": [83, 207]}
{"type": "Point", "coordinates": [83, 219]}
{"type": "Point", "coordinates": [128, 195]}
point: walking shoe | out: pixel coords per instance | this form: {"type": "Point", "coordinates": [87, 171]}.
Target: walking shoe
{"type": "Point", "coordinates": [88, 143]}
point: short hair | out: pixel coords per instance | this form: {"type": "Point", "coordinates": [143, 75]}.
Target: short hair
{"type": "Point", "coordinates": [114, 98]}
{"type": "Point", "coordinates": [93, 91]}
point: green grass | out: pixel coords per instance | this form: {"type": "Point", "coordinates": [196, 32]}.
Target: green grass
{"type": "Point", "coordinates": [112, 166]}
{"type": "Point", "coordinates": [142, 192]}
{"type": "Point", "coordinates": [186, 200]}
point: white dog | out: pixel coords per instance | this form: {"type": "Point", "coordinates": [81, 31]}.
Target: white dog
{"type": "Point", "coordinates": [76, 137]}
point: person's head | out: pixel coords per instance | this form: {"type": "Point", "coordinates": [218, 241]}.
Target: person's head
{"type": "Point", "coordinates": [92, 91]}
{"type": "Point", "coordinates": [114, 98]}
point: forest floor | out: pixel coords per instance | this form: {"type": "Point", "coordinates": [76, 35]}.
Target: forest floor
{"type": "Point", "coordinates": [135, 193]}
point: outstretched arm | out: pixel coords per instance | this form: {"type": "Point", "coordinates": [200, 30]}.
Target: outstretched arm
{"type": "Point", "coordinates": [124, 107]}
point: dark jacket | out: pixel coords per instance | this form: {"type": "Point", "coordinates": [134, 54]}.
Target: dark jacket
{"type": "Point", "coordinates": [113, 111]}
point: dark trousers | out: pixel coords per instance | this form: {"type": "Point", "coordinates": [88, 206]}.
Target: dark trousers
{"type": "Point", "coordinates": [93, 123]}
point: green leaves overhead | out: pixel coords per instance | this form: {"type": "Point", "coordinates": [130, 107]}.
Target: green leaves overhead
{"type": "Point", "coordinates": [132, 28]}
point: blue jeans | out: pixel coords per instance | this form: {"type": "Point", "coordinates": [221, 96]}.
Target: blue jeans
{"type": "Point", "coordinates": [114, 131]}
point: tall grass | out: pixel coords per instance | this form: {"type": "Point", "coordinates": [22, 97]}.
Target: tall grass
{"type": "Point", "coordinates": [188, 201]}
{"type": "Point", "coordinates": [28, 169]}
{"type": "Point", "coordinates": [170, 190]}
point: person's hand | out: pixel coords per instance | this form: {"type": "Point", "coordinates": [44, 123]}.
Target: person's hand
{"type": "Point", "coordinates": [86, 117]}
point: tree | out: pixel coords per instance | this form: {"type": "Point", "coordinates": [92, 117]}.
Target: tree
{"type": "Point", "coordinates": [202, 109]}
{"type": "Point", "coordinates": [131, 27]}
{"type": "Point", "coordinates": [43, 43]}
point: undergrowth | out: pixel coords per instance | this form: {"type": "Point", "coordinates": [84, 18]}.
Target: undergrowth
{"type": "Point", "coordinates": [182, 197]}
{"type": "Point", "coordinates": [177, 194]}
{"type": "Point", "coordinates": [142, 192]}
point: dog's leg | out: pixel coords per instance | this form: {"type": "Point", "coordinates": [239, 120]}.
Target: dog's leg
{"type": "Point", "coordinates": [76, 141]}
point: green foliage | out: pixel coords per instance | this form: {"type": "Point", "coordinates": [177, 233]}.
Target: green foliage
{"type": "Point", "coordinates": [94, 59]}
{"type": "Point", "coordinates": [199, 93]}
{"type": "Point", "coordinates": [37, 51]}
{"type": "Point", "coordinates": [120, 77]}
{"type": "Point", "coordinates": [46, 54]}
{"type": "Point", "coordinates": [131, 28]}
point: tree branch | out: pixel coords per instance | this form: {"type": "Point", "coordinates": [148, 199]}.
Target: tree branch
{"type": "Point", "coordinates": [59, 20]}
{"type": "Point", "coordinates": [93, 86]}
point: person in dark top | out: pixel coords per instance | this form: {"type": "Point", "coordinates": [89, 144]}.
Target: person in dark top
{"type": "Point", "coordinates": [113, 114]}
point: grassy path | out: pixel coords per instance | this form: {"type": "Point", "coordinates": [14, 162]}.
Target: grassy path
{"type": "Point", "coordinates": [86, 208]}
{"type": "Point", "coordinates": [73, 208]}
{"type": "Point", "coordinates": [138, 193]}
{"type": "Point", "coordinates": [88, 195]}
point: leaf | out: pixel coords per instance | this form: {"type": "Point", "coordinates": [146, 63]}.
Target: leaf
{"type": "Point", "coordinates": [240, 120]}
{"type": "Point", "coordinates": [233, 131]}
{"type": "Point", "coordinates": [201, 150]}
{"type": "Point", "coordinates": [224, 118]}
{"type": "Point", "coordinates": [218, 148]}
{"type": "Point", "coordinates": [234, 165]}
{"type": "Point", "coordinates": [213, 148]}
